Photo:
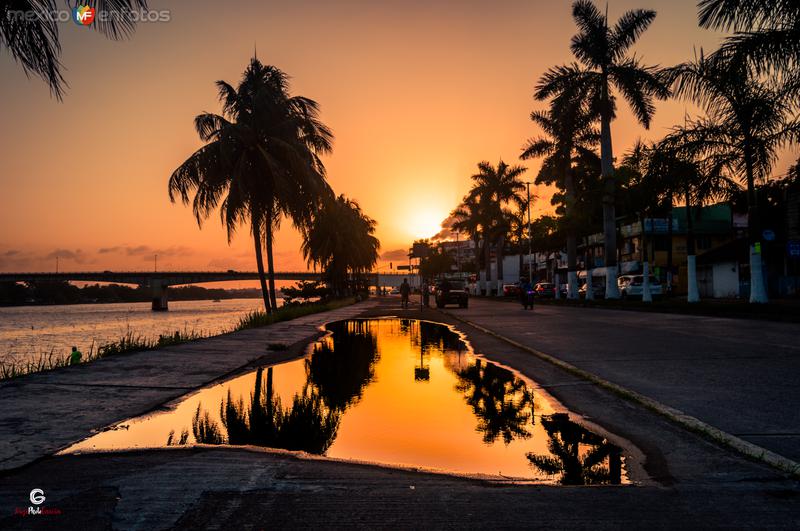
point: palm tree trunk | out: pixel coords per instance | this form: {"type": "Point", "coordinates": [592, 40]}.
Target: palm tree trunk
{"type": "Point", "coordinates": [500, 244]}
{"type": "Point", "coordinates": [572, 240]}
{"type": "Point", "coordinates": [646, 295]}
{"type": "Point", "coordinates": [271, 264]}
{"type": "Point", "coordinates": [670, 265]}
{"type": "Point", "coordinates": [609, 210]}
{"type": "Point", "coordinates": [260, 263]}
{"type": "Point", "coordinates": [691, 260]}
{"type": "Point", "coordinates": [476, 241]}
{"type": "Point", "coordinates": [758, 291]}
{"type": "Point", "coordinates": [487, 260]}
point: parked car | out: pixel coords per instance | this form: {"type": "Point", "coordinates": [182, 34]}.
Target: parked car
{"type": "Point", "coordinates": [511, 290]}
{"type": "Point", "coordinates": [395, 291]}
{"type": "Point", "coordinates": [544, 290]}
{"type": "Point", "coordinates": [632, 286]}
{"type": "Point", "coordinates": [452, 292]}
{"type": "Point", "coordinates": [598, 289]}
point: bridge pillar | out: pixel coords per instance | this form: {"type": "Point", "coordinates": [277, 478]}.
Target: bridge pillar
{"type": "Point", "coordinates": [158, 294]}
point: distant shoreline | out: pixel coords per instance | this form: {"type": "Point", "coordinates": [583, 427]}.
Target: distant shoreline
{"type": "Point", "coordinates": [8, 305]}
{"type": "Point", "coordinates": [63, 294]}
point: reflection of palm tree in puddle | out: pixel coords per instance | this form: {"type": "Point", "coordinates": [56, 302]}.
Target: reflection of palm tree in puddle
{"type": "Point", "coordinates": [341, 365]}
{"type": "Point", "coordinates": [308, 425]}
{"type": "Point", "coordinates": [578, 455]}
{"type": "Point", "coordinates": [500, 400]}
{"type": "Point", "coordinates": [340, 368]}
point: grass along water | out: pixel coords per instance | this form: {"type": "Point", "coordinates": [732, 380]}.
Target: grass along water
{"type": "Point", "coordinates": [134, 342]}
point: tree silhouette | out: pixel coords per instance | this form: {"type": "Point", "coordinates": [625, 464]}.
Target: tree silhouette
{"type": "Point", "coordinates": [500, 400]}
{"type": "Point", "coordinates": [576, 467]}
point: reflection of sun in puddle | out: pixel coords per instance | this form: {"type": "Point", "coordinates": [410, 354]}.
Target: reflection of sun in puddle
{"type": "Point", "coordinates": [399, 392]}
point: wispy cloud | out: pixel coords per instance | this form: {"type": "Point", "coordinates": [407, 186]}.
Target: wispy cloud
{"type": "Point", "coordinates": [397, 254]}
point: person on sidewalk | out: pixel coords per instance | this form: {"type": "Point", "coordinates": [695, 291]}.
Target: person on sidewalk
{"type": "Point", "coordinates": [405, 291]}
{"type": "Point", "coordinates": [75, 356]}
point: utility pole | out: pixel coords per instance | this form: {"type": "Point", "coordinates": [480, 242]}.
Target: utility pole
{"type": "Point", "coordinates": [155, 263]}
{"type": "Point", "coordinates": [530, 235]}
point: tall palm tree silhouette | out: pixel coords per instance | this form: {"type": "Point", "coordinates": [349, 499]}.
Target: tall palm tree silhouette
{"type": "Point", "coordinates": [341, 240]}
{"type": "Point", "coordinates": [494, 188]}
{"type": "Point", "coordinates": [568, 133]}
{"type": "Point", "coordinates": [260, 162]}
{"type": "Point", "coordinates": [605, 64]}
{"type": "Point", "coordinates": [747, 121]}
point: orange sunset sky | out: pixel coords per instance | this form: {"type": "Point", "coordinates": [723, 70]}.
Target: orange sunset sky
{"type": "Point", "coordinates": [416, 92]}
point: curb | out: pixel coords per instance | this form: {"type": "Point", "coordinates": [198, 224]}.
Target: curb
{"type": "Point", "coordinates": [688, 422]}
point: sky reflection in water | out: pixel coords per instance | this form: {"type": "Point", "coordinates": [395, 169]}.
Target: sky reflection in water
{"type": "Point", "coordinates": [393, 391]}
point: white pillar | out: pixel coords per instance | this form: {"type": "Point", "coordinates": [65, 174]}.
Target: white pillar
{"type": "Point", "coordinates": [758, 291]}
{"type": "Point", "coordinates": [572, 285]}
{"type": "Point", "coordinates": [691, 266]}
{"type": "Point", "coordinates": [557, 282]}
{"type": "Point", "coordinates": [589, 285]}
{"type": "Point", "coordinates": [612, 290]}
{"type": "Point", "coordinates": [646, 295]}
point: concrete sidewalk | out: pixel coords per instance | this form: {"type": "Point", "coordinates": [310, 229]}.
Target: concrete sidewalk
{"type": "Point", "coordinates": [740, 376]}
{"type": "Point", "coordinates": [45, 412]}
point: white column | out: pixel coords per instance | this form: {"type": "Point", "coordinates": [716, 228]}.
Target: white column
{"type": "Point", "coordinates": [572, 285]}
{"type": "Point", "coordinates": [758, 291]}
{"type": "Point", "coordinates": [646, 295]}
{"type": "Point", "coordinates": [691, 266]}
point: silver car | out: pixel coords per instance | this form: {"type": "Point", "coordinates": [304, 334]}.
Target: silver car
{"type": "Point", "coordinates": [632, 286]}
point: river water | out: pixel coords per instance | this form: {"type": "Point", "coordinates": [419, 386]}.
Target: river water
{"type": "Point", "coordinates": [26, 332]}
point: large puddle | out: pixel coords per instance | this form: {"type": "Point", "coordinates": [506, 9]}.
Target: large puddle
{"type": "Point", "coordinates": [391, 391]}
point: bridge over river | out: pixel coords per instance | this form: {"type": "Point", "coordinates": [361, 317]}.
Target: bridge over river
{"type": "Point", "coordinates": [158, 282]}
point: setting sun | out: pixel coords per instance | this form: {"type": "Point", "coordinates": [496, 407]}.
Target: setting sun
{"type": "Point", "coordinates": [425, 222]}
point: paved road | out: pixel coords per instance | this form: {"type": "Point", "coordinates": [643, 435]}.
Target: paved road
{"type": "Point", "coordinates": [688, 481]}
{"type": "Point", "coordinates": [43, 413]}
{"type": "Point", "coordinates": [741, 376]}
{"type": "Point", "coordinates": [243, 489]}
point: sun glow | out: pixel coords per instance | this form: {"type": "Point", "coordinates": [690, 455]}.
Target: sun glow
{"type": "Point", "coordinates": [425, 222]}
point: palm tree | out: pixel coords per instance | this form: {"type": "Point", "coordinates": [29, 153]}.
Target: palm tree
{"type": "Point", "coordinates": [747, 121]}
{"type": "Point", "coordinates": [767, 31]}
{"type": "Point", "coordinates": [260, 161]}
{"type": "Point", "coordinates": [495, 187]}
{"type": "Point", "coordinates": [341, 241]}
{"type": "Point", "coordinates": [676, 167]}
{"type": "Point", "coordinates": [518, 229]}
{"type": "Point", "coordinates": [568, 133]}
{"type": "Point", "coordinates": [469, 219]}
{"type": "Point", "coordinates": [29, 30]}
{"type": "Point", "coordinates": [645, 191]}
{"type": "Point", "coordinates": [602, 50]}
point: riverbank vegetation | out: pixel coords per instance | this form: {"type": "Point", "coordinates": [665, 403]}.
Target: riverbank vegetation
{"type": "Point", "coordinates": [258, 318]}
{"type": "Point", "coordinates": [132, 342]}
